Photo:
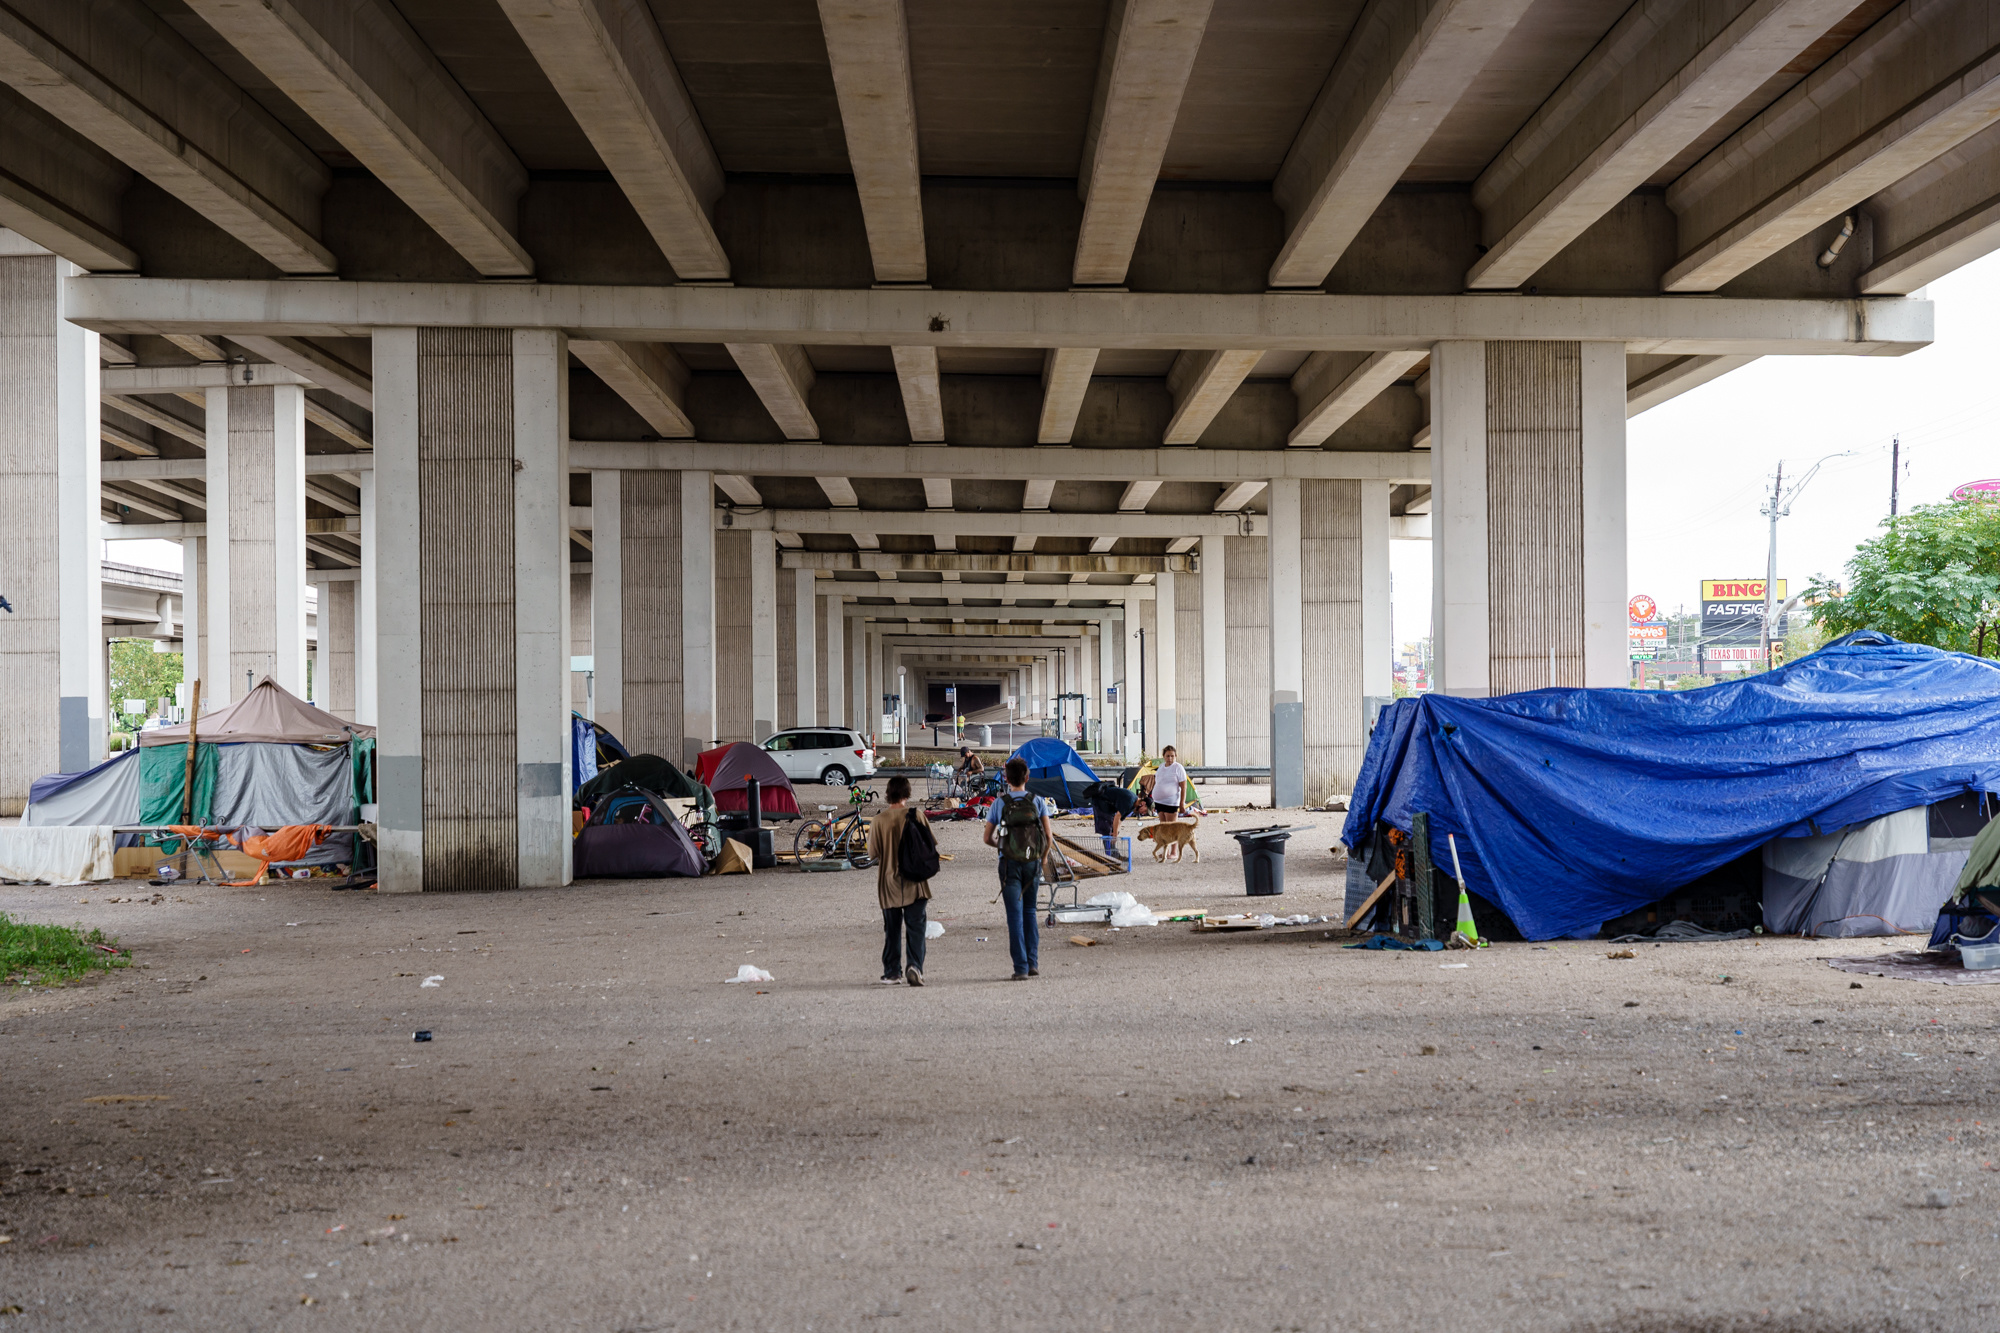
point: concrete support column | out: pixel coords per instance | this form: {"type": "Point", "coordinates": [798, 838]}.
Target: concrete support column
{"type": "Point", "coordinates": [1110, 732]}
{"type": "Point", "coordinates": [1528, 516]}
{"type": "Point", "coordinates": [193, 569]}
{"type": "Point", "coordinates": [1166, 649]}
{"type": "Point", "coordinates": [256, 475]}
{"type": "Point", "coordinates": [1378, 645]}
{"type": "Point", "coordinates": [697, 534]}
{"type": "Point", "coordinates": [582, 683]}
{"type": "Point", "coordinates": [52, 645]}
{"type": "Point", "coordinates": [1288, 748]}
{"type": "Point", "coordinates": [763, 633]}
{"type": "Point", "coordinates": [833, 615]}
{"type": "Point", "coordinates": [1214, 656]}
{"type": "Point", "coordinates": [1128, 700]}
{"type": "Point", "coordinates": [335, 655]}
{"type": "Point", "coordinates": [472, 454]}
{"type": "Point", "coordinates": [806, 606]}
{"type": "Point", "coordinates": [366, 654]}
{"type": "Point", "coordinates": [607, 600]}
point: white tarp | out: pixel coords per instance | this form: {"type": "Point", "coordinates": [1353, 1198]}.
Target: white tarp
{"type": "Point", "coordinates": [107, 794]}
{"type": "Point", "coordinates": [57, 855]}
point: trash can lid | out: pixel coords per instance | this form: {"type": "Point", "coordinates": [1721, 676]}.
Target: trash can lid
{"type": "Point", "coordinates": [1275, 833]}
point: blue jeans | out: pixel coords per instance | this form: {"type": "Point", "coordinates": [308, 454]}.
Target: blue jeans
{"type": "Point", "coordinates": [1020, 892]}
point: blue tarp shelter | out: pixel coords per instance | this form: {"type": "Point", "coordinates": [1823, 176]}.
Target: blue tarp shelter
{"type": "Point", "coordinates": [1056, 771]}
{"type": "Point", "coordinates": [1573, 806]}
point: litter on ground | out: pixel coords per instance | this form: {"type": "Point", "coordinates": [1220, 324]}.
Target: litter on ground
{"type": "Point", "coordinates": [748, 972]}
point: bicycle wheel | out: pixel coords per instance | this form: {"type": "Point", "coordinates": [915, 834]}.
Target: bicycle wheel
{"type": "Point", "coordinates": [707, 838]}
{"type": "Point", "coordinates": [812, 840]}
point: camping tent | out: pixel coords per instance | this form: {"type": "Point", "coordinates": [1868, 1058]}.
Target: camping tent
{"type": "Point", "coordinates": [1882, 877]}
{"type": "Point", "coordinates": [652, 846]}
{"type": "Point", "coordinates": [1057, 771]}
{"type": "Point", "coordinates": [270, 760]}
{"type": "Point", "coordinates": [727, 769]}
{"type": "Point", "coordinates": [1574, 806]}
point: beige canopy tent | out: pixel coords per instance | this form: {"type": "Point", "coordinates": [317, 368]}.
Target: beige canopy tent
{"type": "Point", "coordinates": [269, 714]}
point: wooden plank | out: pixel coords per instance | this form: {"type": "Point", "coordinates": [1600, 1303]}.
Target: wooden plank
{"type": "Point", "coordinates": [1380, 889]}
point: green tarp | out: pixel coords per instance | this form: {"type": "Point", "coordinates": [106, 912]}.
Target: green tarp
{"type": "Point", "coordinates": [364, 770]}
{"type": "Point", "coordinates": [1982, 863]}
{"type": "Point", "coordinates": [162, 777]}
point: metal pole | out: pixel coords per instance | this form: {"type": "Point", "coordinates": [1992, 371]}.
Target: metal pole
{"type": "Point", "coordinates": [1895, 469]}
{"type": "Point", "coordinates": [1142, 691]}
{"type": "Point", "coordinates": [1771, 563]}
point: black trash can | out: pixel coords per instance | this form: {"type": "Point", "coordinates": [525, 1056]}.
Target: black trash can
{"type": "Point", "coordinates": [748, 827]}
{"type": "Point", "coordinates": [1263, 860]}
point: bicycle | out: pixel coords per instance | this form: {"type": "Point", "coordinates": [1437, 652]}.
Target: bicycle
{"type": "Point", "coordinates": [706, 834]}
{"type": "Point", "coordinates": [843, 838]}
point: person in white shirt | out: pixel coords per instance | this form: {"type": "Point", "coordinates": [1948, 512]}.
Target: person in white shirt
{"type": "Point", "coordinates": [1169, 784]}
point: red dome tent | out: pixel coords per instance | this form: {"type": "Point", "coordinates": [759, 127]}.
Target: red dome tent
{"type": "Point", "coordinates": [727, 769]}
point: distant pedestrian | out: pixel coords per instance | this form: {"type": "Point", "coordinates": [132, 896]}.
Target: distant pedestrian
{"type": "Point", "coordinates": [1109, 804]}
{"type": "Point", "coordinates": [1169, 785]}
{"type": "Point", "coordinates": [904, 904]}
{"type": "Point", "coordinates": [1018, 824]}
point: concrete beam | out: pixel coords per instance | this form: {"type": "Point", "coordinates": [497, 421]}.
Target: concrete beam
{"type": "Point", "coordinates": [839, 492]}
{"type": "Point", "coordinates": [317, 465]}
{"type": "Point", "coordinates": [915, 632]}
{"type": "Point", "coordinates": [221, 154]}
{"type": "Point", "coordinates": [937, 494]}
{"type": "Point", "coordinates": [1137, 495]}
{"type": "Point", "coordinates": [1401, 71]}
{"type": "Point", "coordinates": [868, 47]}
{"type": "Point", "coordinates": [1065, 380]}
{"type": "Point", "coordinates": [143, 505]}
{"type": "Point", "coordinates": [317, 365]}
{"type": "Point", "coordinates": [337, 426]}
{"type": "Point", "coordinates": [1080, 321]}
{"type": "Point", "coordinates": [738, 489]}
{"type": "Point", "coordinates": [176, 530]}
{"type": "Point", "coordinates": [650, 377]}
{"type": "Point", "coordinates": [1237, 495]}
{"type": "Point", "coordinates": [332, 499]}
{"type": "Point", "coordinates": [1149, 51]}
{"type": "Point", "coordinates": [963, 562]}
{"type": "Point", "coordinates": [1325, 407]}
{"type": "Point", "coordinates": [613, 71]}
{"type": "Point", "coordinates": [159, 418]}
{"type": "Point", "coordinates": [130, 443]}
{"type": "Point", "coordinates": [1662, 77]}
{"type": "Point", "coordinates": [783, 377]}
{"type": "Point", "coordinates": [1037, 493]}
{"type": "Point", "coordinates": [199, 346]}
{"type": "Point", "coordinates": [1775, 181]}
{"type": "Point", "coordinates": [173, 490]}
{"type": "Point", "coordinates": [1220, 466]}
{"type": "Point", "coordinates": [1676, 378]}
{"type": "Point", "coordinates": [175, 379]}
{"type": "Point", "coordinates": [48, 208]}
{"type": "Point", "coordinates": [1939, 218]}
{"type": "Point", "coordinates": [916, 523]}
{"type": "Point", "coordinates": [359, 70]}
{"type": "Point", "coordinates": [923, 397]}
{"type": "Point", "coordinates": [1201, 384]}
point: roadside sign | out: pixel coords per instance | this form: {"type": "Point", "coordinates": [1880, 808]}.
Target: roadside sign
{"type": "Point", "coordinates": [1643, 608]}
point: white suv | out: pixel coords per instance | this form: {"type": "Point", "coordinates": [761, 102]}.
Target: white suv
{"type": "Point", "coordinates": [832, 755]}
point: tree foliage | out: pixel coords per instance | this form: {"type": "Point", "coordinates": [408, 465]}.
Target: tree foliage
{"type": "Point", "coordinates": [140, 672]}
{"type": "Point", "coordinates": [1933, 576]}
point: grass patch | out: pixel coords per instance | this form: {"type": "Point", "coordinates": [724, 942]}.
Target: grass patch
{"type": "Point", "coordinates": [51, 955]}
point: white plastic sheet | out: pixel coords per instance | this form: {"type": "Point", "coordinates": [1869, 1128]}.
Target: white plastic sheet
{"type": "Point", "coordinates": [59, 855]}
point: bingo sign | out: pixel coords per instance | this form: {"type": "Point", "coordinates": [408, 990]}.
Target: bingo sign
{"type": "Point", "coordinates": [1978, 490]}
{"type": "Point", "coordinates": [1647, 637]}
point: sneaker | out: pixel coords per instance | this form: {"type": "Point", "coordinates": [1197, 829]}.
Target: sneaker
{"type": "Point", "coordinates": [889, 981]}
{"type": "Point", "coordinates": [914, 977]}
{"type": "Point", "coordinates": [1034, 971]}
{"type": "Point", "coordinates": [1018, 976]}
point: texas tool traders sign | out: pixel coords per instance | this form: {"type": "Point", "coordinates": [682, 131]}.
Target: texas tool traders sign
{"type": "Point", "coordinates": [1734, 608]}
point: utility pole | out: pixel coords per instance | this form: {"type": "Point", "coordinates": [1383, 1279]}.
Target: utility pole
{"type": "Point", "coordinates": [1771, 564]}
{"type": "Point", "coordinates": [1895, 469]}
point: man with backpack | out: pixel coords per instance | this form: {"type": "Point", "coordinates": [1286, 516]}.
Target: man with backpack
{"type": "Point", "coordinates": [1018, 824]}
{"type": "Point", "coordinates": [904, 850]}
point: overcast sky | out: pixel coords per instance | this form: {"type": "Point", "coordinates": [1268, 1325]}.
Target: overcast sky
{"type": "Point", "coordinates": [1701, 464]}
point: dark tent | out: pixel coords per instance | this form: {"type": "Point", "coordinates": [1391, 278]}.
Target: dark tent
{"type": "Point", "coordinates": [1057, 771]}
{"type": "Point", "coordinates": [648, 772]}
{"type": "Point", "coordinates": [727, 770]}
{"type": "Point", "coordinates": [1574, 806]}
{"type": "Point", "coordinates": [650, 846]}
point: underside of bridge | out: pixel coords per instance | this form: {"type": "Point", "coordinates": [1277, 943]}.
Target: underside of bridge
{"type": "Point", "coordinates": [759, 357]}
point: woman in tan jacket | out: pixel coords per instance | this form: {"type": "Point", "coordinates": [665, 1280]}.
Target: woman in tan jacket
{"type": "Point", "coordinates": [903, 903]}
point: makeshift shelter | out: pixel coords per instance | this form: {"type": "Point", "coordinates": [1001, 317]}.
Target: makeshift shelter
{"type": "Point", "coordinates": [1885, 877]}
{"type": "Point", "coordinates": [1574, 806]}
{"type": "Point", "coordinates": [268, 761]}
{"type": "Point", "coordinates": [1056, 771]}
{"type": "Point", "coordinates": [591, 750]}
{"type": "Point", "coordinates": [651, 844]}
{"type": "Point", "coordinates": [648, 772]}
{"type": "Point", "coordinates": [727, 770]}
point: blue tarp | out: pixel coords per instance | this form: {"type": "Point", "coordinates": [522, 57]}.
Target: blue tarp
{"type": "Point", "coordinates": [1572, 807]}
{"type": "Point", "coordinates": [1056, 771]}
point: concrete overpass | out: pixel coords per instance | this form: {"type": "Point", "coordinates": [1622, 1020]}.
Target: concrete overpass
{"type": "Point", "coordinates": [741, 353]}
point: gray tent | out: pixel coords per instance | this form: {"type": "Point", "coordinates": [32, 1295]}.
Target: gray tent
{"type": "Point", "coordinates": [1888, 876]}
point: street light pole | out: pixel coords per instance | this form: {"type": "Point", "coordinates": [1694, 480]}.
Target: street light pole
{"type": "Point", "coordinates": [1771, 559]}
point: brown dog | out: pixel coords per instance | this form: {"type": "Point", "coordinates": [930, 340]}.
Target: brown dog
{"type": "Point", "coordinates": [1174, 835]}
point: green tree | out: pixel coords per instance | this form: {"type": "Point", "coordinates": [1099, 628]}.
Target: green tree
{"type": "Point", "coordinates": [138, 672]}
{"type": "Point", "coordinates": [1933, 576]}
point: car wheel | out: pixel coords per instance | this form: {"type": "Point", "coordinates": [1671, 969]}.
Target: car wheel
{"type": "Point", "coordinates": [834, 776]}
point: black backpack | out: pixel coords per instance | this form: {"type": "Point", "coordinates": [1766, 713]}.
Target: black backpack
{"type": "Point", "coordinates": [916, 850]}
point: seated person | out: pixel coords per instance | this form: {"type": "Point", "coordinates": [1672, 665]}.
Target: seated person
{"type": "Point", "coordinates": [969, 764]}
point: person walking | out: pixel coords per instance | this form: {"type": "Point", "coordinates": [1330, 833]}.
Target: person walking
{"type": "Point", "coordinates": [1018, 824]}
{"type": "Point", "coordinates": [1169, 785]}
{"type": "Point", "coordinates": [904, 904]}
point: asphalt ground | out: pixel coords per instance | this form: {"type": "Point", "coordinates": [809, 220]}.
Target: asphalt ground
{"type": "Point", "coordinates": [1256, 1131]}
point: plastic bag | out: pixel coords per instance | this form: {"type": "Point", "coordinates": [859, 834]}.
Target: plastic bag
{"type": "Point", "coordinates": [932, 930]}
{"type": "Point", "coordinates": [1136, 914]}
{"type": "Point", "coordinates": [1112, 900]}
{"type": "Point", "coordinates": [748, 972]}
